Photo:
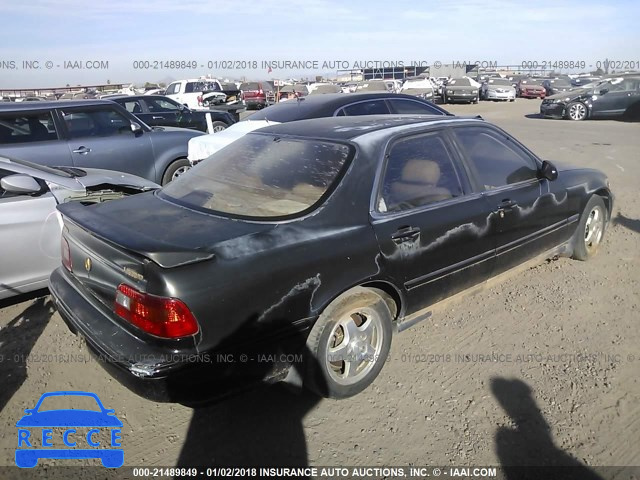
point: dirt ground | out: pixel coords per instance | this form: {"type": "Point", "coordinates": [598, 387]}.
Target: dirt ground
{"type": "Point", "coordinates": [540, 369]}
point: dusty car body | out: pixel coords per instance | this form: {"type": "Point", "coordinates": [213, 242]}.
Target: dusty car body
{"type": "Point", "coordinates": [612, 98]}
{"type": "Point", "coordinates": [421, 88]}
{"type": "Point", "coordinates": [30, 224]}
{"type": "Point", "coordinates": [342, 231]}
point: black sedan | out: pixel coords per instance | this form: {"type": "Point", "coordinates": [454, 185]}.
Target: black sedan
{"type": "Point", "coordinates": [612, 98]}
{"type": "Point", "coordinates": [160, 111]}
{"type": "Point", "coordinates": [352, 104]}
{"type": "Point", "coordinates": [298, 252]}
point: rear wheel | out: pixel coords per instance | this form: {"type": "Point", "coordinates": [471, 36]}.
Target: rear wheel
{"type": "Point", "coordinates": [577, 111]}
{"type": "Point", "coordinates": [349, 344]}
{"type": "Point", "coordinates": [218, 127]}
{"type": "Point", "coordinates": [176, 169]}
{"type": "Point", "coordinates": [591, 227]}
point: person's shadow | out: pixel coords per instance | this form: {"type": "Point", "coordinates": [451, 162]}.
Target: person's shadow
{"type": "Point", "coordinates": [17, 339]}
{"type": "Point", "coordinates": [262, 426]}
{"type": "Point", "coordinates": [528, 443]}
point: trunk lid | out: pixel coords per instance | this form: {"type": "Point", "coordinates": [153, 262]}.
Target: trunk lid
{"type": "Point", "coordinates": [168, 234]}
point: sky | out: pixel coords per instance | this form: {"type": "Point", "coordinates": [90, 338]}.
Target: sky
{"type": "Point", "coordinates": [219, 36]}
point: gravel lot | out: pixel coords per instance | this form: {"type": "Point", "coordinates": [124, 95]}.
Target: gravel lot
{"type": "Point", "coordinates": [540, 369]}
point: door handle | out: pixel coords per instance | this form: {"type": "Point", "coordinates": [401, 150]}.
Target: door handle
{"type": "Point", "coordinates": [82, 150]}
{"type": "Point", "coordinates": [157, 118]}
{"type": "Point", "coordinates": [507, 204]}
{"type": "Point", "coordinates": [404, 234]}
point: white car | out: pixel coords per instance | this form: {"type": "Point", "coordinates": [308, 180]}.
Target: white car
{"type": "Point", "coordinates": [204, 146]}
{"type": "Point", "coordinates": [30, 223]}
{"type": "Point", "coordinates": [422, 88]}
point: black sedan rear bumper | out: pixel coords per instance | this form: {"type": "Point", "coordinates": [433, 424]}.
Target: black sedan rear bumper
{"type": "Point", "coordinates": [155, 372]}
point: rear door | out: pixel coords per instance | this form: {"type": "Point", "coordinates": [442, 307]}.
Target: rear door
{"type": "Point", "coordinates": [33, 136]}
{"type": "Point", "coordinates": [433, 230]}
{"type": "Point", "coordinates": [101, 137]}
{"type": "Point", "coordinates": [530, 214]}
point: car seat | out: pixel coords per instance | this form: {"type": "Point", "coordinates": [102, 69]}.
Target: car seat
{"type": "Point", "coordinates": [418, 185]}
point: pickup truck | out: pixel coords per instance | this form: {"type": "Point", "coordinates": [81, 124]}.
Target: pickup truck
{"type": "Point", "coordinates": [202, 93]}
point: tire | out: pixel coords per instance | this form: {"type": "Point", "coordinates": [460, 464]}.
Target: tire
{"type": "Point", "coordinates": [218, 126]}
{"type": "Point", "coordinates": [590, 230]}
{"type": "Point", "coordinates": [175, 169]}
{"type": "Point", "coordinates": [577, 111]}
{"type": "Point", "coordinates": [360, 313]}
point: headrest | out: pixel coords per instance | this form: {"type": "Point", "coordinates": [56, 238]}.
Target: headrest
{"type": "Point", "coordinates": [421, 171]}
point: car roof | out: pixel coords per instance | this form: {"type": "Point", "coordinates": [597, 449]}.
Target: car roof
{"type": "Point", "coordinates": [349, 128]}
{"type": "Point", "coordinates": [25, 106]}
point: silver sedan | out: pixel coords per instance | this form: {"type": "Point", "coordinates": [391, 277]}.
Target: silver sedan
{"type": "Point", "coordinates": [29, 222]}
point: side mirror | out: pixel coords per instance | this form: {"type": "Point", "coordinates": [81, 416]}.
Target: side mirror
{"type": "Point", "coordinates": [548, 171]}
{"type": "Point", "coordinates": [20, 184]}
{"type": "Point", "coordinates": [28, 410]}
{"type": "Point", "coordinates": [136, 128]}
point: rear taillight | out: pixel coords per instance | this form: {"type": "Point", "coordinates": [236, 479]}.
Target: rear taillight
{"type": "Point", "coordinates": [200, 100]}
{"type": "Point", "coordinates": [65, 253]}
{"type": "Point", "coordinates": [160, 316]}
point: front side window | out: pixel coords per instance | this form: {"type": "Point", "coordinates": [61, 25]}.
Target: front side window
{"type": "Point", "coordinates": [419, 171]}
{"type": "Point", "coordinates": [162, 105]}
{"type": "Point", "coordinates": [26, 128]}
{"type": "Point", "coordinates": [132, 106]}
{"type": "Point", "coordinates": [261, 176]}
{"type": "Point", "coordinates": [494, 160]}
{"type": "Point", "coordinates": [93, 122]}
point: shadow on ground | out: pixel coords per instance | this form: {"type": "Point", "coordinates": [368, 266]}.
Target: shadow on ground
{"type": "Point", "coordinates": [627, 222]}
{"type": "Point", "coordinates": [17, 339]}
{"type": "Point", "coordinates": [257, 428]}
{"type": "Point", "coordinates": [529, 442]}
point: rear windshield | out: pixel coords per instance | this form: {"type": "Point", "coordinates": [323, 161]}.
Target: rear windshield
{"type": "Point", "coordinates": [261, 176]}
{"type": "Point", "coordinates": [560, 82]}
{"type": "Point", "coordinates": [287, 112]}
{"type": "Point", "coordinates": [250, 86]}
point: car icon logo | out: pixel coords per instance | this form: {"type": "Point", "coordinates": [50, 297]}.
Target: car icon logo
{"type": "Point", "coordinates": [37, 439]}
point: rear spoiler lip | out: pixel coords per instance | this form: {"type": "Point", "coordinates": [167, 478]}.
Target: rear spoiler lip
{"type": "Point", "coordinates": [164, 254]}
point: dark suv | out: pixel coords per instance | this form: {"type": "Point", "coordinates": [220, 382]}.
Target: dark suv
{"type": "Point", "coordinates": [92, 133]}
{"type": "Point", "coordinates": [257, 94]}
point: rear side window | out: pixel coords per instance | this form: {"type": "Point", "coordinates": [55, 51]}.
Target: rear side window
{"type": "Point", "coordinates": [372, 107]}
{"type": "Point", "coordinates": [419, 171]}
{"type": "Point", "coordinates": [410, 107]}
{"type": "Point", "coordinates": [173, 89]}
{"type": "Point", "coordinates": [92, 122]}
{"type": "Point", "coordinates": [27, 128]}
{"type": "Point", "coordinates": [162, 105]}
{"type": "Point", "coordinates": [494, 160]}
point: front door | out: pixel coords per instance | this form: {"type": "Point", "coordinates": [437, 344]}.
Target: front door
{"type": "Point", "coordinates": [530, 214]}
{"type": "Point", "coordinates": [101, 137]}
{"type": "Point", "coordinates": [617, 99]}
{"type": "Point", "coordinates": [434, 234]}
